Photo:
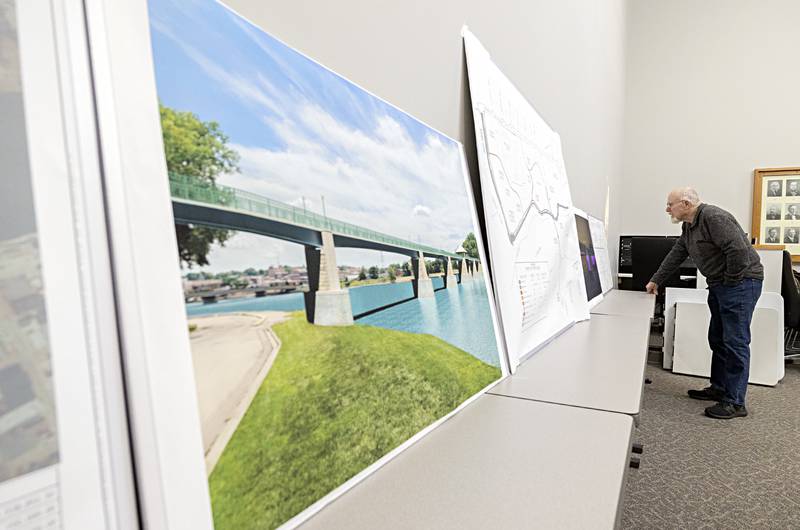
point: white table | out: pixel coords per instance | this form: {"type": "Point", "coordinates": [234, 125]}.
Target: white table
{"type": "Point", "coordinates": [499, 463]}
{"type": "Point", "coordinates": [596, 364]}
{"type": "Point", "coordinates": [686, 349]}
{"type": "Point", "coordinates": [629, 303]}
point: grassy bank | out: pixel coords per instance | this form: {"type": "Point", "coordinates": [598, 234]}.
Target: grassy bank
{"type": "Point", "coordinates": [376, 281]}
{"type": "Point", "coordinates": [336, 400]}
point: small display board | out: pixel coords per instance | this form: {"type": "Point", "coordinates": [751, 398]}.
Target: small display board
{"type": "Point", "coordinates": [591, 272]}
{"type": "Point", "coordinates": [600, 242]}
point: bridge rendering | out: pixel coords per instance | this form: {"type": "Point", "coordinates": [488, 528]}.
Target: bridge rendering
{"type": "Point", "coordinates": [326, 302]}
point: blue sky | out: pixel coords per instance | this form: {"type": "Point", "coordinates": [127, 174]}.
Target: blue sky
{"type": "Point", "coordinates": [304, 132]}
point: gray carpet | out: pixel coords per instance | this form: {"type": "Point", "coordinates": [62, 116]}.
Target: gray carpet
{"type": "Point", "coordinates": [702, 473]}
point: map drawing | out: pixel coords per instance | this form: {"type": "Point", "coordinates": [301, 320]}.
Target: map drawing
{"type": "Point", "coordinates": [532, 239]}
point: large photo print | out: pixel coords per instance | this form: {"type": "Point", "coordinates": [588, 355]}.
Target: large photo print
{"type": "Point", "coordinates": [28, 423]}
{"type": "Point", "coordinates": [334, 285]}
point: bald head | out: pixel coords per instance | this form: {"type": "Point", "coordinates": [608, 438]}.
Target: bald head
{"type": "Point", "coordinates": [685, 194]}
{"type": "Point", "coordinates": [682, 204]}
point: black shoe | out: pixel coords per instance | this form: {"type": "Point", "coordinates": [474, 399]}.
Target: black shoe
{"type": "Point", "coordinates": [726, 411]}
{"type": "Point", "coordinates": [707, 394]}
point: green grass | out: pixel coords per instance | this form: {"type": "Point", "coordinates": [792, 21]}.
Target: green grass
{"type": "Point", "coordinates": [368, 281]}
{"type": "Point", "coordinates": [372, 281]}
{"type": "Point", "coordinates": [336, 400]}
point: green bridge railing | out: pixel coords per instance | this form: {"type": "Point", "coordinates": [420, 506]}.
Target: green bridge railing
{"type": "Point", "coordinates": [191, 189]}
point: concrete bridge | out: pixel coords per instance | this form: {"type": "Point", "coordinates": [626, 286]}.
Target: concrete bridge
{"type": "Point", "coordinates": [326, 302]}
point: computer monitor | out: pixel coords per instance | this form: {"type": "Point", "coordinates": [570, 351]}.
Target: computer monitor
{"type": "Point", "coordinates": [647, 253]}
{"type": "Point", "coordinates": [591, 274]}
{"type": "Point", "coordinates": [625, 262]}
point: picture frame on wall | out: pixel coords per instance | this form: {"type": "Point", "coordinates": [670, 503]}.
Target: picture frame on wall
{"type": "Point", "coordinates": [776, 208]}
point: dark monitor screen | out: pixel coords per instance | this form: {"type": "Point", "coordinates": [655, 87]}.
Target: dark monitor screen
{"type": "Point", "coordinates": [647, 253]}
{"type": "Point", "coordinates": [625, 264]}
{"type": "Point", "coordinates": [591, 275]}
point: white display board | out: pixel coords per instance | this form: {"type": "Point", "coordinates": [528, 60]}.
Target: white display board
{"type": "Point", "coordinates": [64, 453]}
{"type": "Point", "coordinates": [530, 225]}
{"type": "Point", "coordinates": [600, 241]}
{"type": "Point", "coordinates": [320, 180]}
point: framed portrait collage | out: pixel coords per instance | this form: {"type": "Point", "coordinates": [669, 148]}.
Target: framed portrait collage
{"type": "Point", "coordinates": [776, 208]}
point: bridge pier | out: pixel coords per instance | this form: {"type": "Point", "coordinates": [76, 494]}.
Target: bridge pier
{"type": "Point", "coordinates": [450, 280]}
{"type": "Point", "coordinates": [423, 285]}
{"type": "Point", "coordinates": [465, 273]}
{"type": "Point", "coordinates": [327, 304]}
{"type": "Point", "coordinates": [466, 270]}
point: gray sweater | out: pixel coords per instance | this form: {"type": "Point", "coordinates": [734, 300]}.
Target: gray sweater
{"type": "Point", "coordinates": [718, 246]}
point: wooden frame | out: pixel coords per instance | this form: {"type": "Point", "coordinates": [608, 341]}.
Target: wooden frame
{"type": "Point", "coordinates": [776, 205]}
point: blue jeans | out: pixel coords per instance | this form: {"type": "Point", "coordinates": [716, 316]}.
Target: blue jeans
{"type": "Point", "coordinates": [729, 336]}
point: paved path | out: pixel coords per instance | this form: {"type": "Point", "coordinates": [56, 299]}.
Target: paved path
{"type": "Point", "coordinates": [231, 353]}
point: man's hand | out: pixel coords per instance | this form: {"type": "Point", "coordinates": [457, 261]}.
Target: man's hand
{"type": "Point", "coordinates": [651, 288]}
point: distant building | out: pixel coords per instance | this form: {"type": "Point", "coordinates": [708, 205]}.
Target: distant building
{"type": "Point", "coordinates": [255, 281]}
{"type": "Point", "coordinates": [194, 286]}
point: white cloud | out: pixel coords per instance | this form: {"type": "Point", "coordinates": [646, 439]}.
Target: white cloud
{"type": "Point", "coordinates": [420, 210]}
{"type": "Point", "coordinates": [378, 181]}
{"type": "Point", "coordinates": [380, 178]}
{"type": "Point", "coordinates": [258, 92]}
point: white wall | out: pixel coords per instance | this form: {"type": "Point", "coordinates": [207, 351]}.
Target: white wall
{"type": "Point", "coordinates": [712, 93]}
{"type": "Point", "coordinates": [567, 57]}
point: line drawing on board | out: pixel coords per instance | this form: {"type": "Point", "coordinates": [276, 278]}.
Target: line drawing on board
{"type": "Point", "coordinates": [504, 186]}
{"type": "Point", "coordinates": [533, 245]}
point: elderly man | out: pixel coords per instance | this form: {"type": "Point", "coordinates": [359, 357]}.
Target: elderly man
{"type": "Point", "coordinates": [773, 236]}
{"type": "Point", "coordinates": [721, 251]}
{"type": "Point", "coordinates": [774, 212]}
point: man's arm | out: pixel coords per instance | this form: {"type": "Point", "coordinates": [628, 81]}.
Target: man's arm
{"type": "Point", "coordinates": [726, 234]}
{"type": "Point", "coordinates": [671, 263]}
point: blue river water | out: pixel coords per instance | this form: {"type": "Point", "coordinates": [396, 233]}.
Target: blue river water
{"type": "Point", "coordinates": [460, 316]}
